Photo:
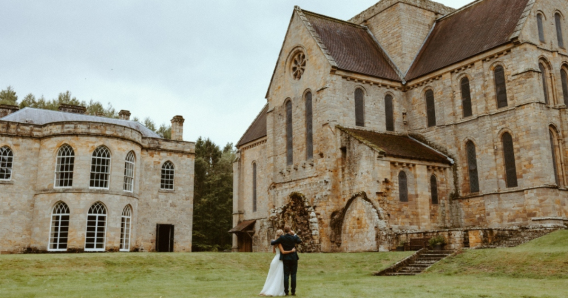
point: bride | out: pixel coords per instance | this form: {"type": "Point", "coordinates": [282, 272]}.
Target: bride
{"type": "Point", "coordinates": [274, 285]}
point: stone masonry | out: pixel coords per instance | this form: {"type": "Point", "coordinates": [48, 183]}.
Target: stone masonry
{"type": "Point", "coordinates": [29, 196]}
{"type": "Point", "coordinates": [350, 189]}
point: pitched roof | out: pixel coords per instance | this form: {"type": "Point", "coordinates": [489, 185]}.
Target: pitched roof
{"type": "Point", "coordinates": [352, 47]}
{"type": "Point", "coordinates": [256, 130]}
{"type": "Point", "coordinates": [472, 30]}
{"type": "Point", "coordinates": [397, 145]}
{"type": "Point", "coordinates": [41, 117]}
{"type": "Point", "coordinates": [243, 226]}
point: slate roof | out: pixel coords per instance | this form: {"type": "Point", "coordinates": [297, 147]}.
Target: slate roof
{"type": "Point", "coordinates": [470, 31]}
{"type": "Point", "coordinates": [41, 117]}
{"type": "Point", "coordinates": [398, 145]}
{"type": "Point", "coordinates": [256, 130]}
{"type": "Point", "coordinates": [352, 47]}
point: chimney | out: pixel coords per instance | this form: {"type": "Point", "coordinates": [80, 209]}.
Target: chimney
{"type": "Point", "coordinates": [72, 109]}
{"type": "Point", "coordinates": [6, 110]}
{"type": "Point", "coordinates": [124, 115]}
{"type": "Point", "coordinates": [177, 128]}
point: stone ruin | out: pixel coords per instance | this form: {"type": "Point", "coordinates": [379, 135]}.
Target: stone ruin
{"type": "Point", "coordinates": [301, 217]}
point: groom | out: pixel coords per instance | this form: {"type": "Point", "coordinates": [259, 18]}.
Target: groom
{"type": "Point", "coordinates": [289, 241]}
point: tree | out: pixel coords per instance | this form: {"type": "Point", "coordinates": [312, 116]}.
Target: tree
{"type": "Point", "coordinates": [213, 196]}
{"type": "Point", "coordinates": [8, 96]}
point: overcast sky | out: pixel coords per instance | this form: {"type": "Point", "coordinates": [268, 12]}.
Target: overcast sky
{"type": "Point", "coordinates": [210, 61]}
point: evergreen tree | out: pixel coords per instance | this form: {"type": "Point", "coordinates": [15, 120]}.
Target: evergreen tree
{"type": "Point", "coordinates": [8, 96]}
{"type": "Point", "coordinates": [213, 196]}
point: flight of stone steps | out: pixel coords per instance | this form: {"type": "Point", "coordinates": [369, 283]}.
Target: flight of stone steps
{"type": "Point", "coordinates": [423, 262]}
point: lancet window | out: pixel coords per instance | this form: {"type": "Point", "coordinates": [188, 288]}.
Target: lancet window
{"type": "Point", "coordinates": [59, 232]}
{"type": "Point", "coordinates": [6, 163]}
{"type": "Point", "coordinates": [64, 166]}
{"type": "Point", "coordinates": [359, 107]}
{"type": "Point", "coordinates": [129, 172]}
{"type": "Point", "coordinates": [167, 180]}
{"type": "Point", "coordinates": [389, 112]}
{"type": "Point", "coordinates": [100, 168]}
{"type": "Point", "coordinates": [96, 228]}
{"type": "Point", "coordinates": [125, 228]}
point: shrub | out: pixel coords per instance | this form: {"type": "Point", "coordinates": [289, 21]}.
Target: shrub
{"type": "Point", "coordinates": [437, 240]}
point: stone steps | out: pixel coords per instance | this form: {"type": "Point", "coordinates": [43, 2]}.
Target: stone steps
{"type": "Point", "coordinates": [423, 262]}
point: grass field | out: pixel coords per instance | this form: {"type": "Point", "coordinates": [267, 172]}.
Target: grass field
{"type": "Point", "coordinates": [537, 269]}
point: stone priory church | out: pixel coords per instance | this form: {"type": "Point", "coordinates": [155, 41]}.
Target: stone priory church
{"type": "Point", "coordinates": [71, 182]}
{"type": "Point", "coordinates": [411, 119]}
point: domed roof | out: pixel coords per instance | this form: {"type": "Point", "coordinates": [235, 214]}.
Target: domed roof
{"type": "Point", "coordinates": [41, 117]}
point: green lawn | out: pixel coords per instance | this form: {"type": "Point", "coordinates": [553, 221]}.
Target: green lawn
{"type": "Point", "coordinates": [538, 269]}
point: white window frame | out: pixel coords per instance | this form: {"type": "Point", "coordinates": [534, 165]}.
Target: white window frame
{"type": "Point", "coordinates": [58, 159]}
{"type": "Point", "coordinates": [93, 158]}
{"type": "Point", "coordinates": [129, 172]}
{"type": "Point", "coordinates": [167, 180]}
{"type": "Point", "coordinates": [126, 228]}
{"type": "Point", "coordinates": [98, 215]}
{"type": "Point", "coordinates": [58, 206]}
{"type": "Point", "coordinates": [11, 168]}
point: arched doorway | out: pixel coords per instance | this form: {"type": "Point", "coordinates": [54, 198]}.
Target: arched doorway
{"type": "Point", "coordinates": [301, 217]}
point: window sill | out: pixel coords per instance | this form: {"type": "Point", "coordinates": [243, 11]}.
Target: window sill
{"type": "Point", "coordinates": [6, 181]}
{"type": "Point", "coordinates": [167, 190]}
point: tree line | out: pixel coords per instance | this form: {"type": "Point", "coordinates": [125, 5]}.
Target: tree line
{"type": "Point", "coordinates": [213, 184]}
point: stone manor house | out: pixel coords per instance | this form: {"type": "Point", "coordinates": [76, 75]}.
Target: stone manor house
{"type": "Point", "coordinates": [74, 182]}
{"type": "Point", "coordinates": [410, 118]}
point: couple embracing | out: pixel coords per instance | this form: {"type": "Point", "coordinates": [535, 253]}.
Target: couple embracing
{"type": "Point", "coordinates": [284, 264]}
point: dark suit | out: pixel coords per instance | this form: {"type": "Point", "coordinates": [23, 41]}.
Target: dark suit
{"type": "Point", "coordinates": [290, 260]}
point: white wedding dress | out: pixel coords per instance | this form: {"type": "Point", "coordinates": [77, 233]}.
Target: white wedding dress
{"type": "Point", "coordinates": [274, 285]}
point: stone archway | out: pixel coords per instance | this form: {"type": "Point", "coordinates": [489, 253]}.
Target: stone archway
{"type": "Point", "coordinates": [358, 226]}
{"type": "Point", "coordinates": [301, 217]}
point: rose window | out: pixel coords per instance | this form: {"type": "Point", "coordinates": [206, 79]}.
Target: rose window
{"type": "Point", "coordinates": [298, 65]}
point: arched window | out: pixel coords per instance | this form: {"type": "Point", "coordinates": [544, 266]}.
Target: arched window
{"type": "Point", "coordinates": [96, 228]}
{"type": "Point", "coordinates": [430, 108]}
{"type": "Point", "coordinates": [64, 166]}
{"type": "Point", "coordinates": [543, 75]}
{"type": "Point", "coordinates": [558, 20]}
{"type": "Point", "coordinates": [472, 167]}
{"type": "Point", "coordinates": [466, 97]}
{"type": "Point", "coordinates": [540, 25]}
{"type": "Point", "coordinates": [289, 135]}
{"type": "Point", "coordinates": [6, 163]}
{"type": "Point", "coordinates": [359, 107]}
{"type": "Point", "coordinates": [564, 77]}
{"type": "Point", "coordinates": [59, 227]}
{"type": "Point", "coordinates": [100, 168]}
{"type": "Point", "coordinates": [402, 187]}
{"type": "Point", "coordinates": [509, 157]}
{"type": "Point", "coordinates": [129, 172]}
{"type": "Point", "coordinates": [389, 112]}
{"type": "Point", "coordinates": [125, 226]}
{"type": "Point", "coordinates": [554, 150]}
{"type": "Point", "coordinates": [309, 127]}
{"type": "Point", "coordinates": [167, 181]}
{"type": "Point", "coordinates": [254, 187]}
{"type": "Point", "coordinates": [434, 189]}
{"type": "Point", "coordinates": [500, 86]}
